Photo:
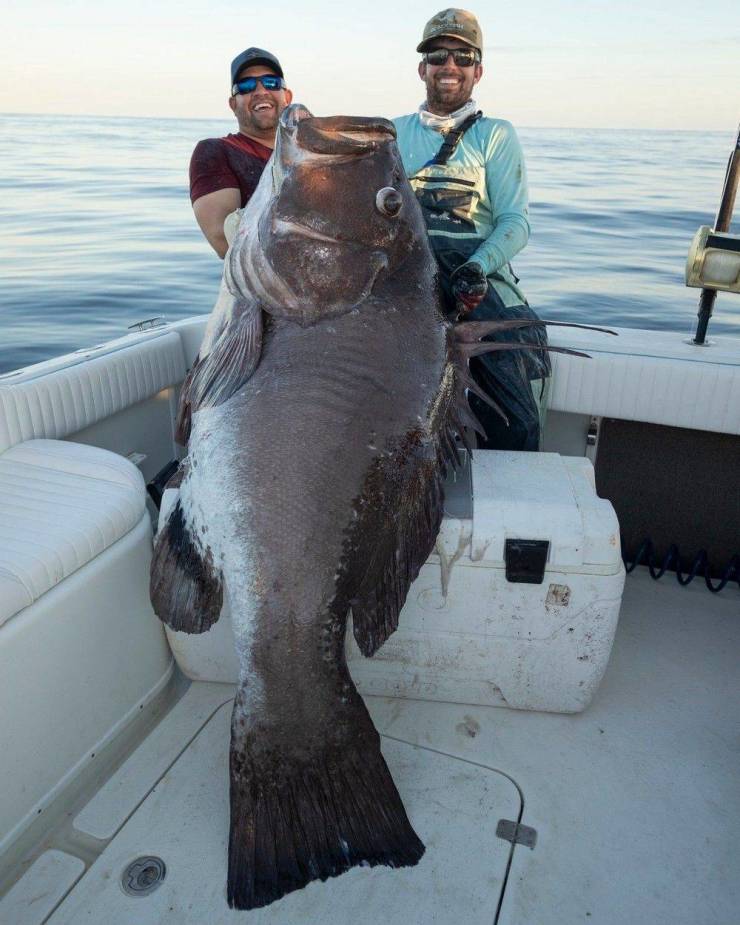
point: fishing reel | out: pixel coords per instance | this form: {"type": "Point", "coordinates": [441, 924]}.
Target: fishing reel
{"type": "Point", "coordinates": [714, 261]}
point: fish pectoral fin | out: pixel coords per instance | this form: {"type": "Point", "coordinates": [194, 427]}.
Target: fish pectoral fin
{"type": "Point", "coordinates": [231, 361]}
{"type": "Point", "coordinates": [185, 588]}
{"type": "Point", "coordinates": [394, 541]}
{"type": "Point", "coordinates": [311, 813]}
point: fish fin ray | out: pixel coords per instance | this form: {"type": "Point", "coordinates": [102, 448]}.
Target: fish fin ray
{"type": "Point", "coordinates": [185, 588]}
{"type": "Point", "coordinates": [479, 349]}
{"type": "Point", "coordinates": [183, 420]}
{"type": "Point", "coordinates": [311, 819]}
{"type": "Point", "coordinates": [472, 331]}
{"type": "Point", "coordinates": [465, 384]}
{"type": "Point", "coordinates": [465, 341]}
{"type": "Point", "coordinates": [231, 361]}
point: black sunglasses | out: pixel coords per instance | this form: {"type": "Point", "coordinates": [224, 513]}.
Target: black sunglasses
{"type": "Point", "coordinates": [463, 57]}
{"type": "Point", "coordinates": [249, 84]}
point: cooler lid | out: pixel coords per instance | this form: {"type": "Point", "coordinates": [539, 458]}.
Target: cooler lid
{"type": "Point", "coordinates": [542, 496]}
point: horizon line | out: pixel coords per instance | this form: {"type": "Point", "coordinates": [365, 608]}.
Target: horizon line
{"type": "Point", "coordinates": [225, 118]}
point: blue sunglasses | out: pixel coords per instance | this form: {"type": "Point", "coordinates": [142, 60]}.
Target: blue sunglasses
{"type": "Point", "coordinates": [249, 84]}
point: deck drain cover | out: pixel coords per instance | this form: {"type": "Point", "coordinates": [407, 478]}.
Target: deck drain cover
{"type": "Point", "coordinates": [143, 876]}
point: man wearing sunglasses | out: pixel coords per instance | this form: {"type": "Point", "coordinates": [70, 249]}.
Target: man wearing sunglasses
{"type": "Point", "coordinates": [469, 176]}
{"type": "Point", "coordinates": [224, 172]}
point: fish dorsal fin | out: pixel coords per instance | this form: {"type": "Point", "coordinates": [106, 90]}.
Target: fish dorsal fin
{"type": "Point", "coordinates": [467, 341]}
{"type": "Point", "coordinates": [232, 359]}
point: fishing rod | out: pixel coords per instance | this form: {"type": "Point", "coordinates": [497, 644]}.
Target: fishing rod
{"type": "Point", "coordinates": [714, 255]}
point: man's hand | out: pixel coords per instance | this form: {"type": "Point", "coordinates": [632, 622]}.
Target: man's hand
{"type": "Point", "coordinates": [469, 286]}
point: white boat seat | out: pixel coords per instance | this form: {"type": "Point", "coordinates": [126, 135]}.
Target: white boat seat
{"type": "Point", "coordinates": [62, 396]}
{"type": "Point", "coordinates": [61, 504]}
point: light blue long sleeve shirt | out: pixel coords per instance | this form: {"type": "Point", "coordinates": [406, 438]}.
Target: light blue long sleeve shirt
{"type": "Point", "coordinates": [489, 163]}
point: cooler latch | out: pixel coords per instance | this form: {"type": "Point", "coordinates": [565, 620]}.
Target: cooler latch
{"type": "Point", "coordinates": [525, 560]}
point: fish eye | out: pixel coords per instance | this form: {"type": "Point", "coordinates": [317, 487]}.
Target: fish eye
{"type": "Point", "coordinates": [388, 201]}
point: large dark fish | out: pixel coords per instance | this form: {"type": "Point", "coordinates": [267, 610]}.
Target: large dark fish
{"type": "Point", "coordinates": [322, 411]}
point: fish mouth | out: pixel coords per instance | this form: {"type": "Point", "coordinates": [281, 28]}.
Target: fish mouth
{"type": "Point", "coordinates": [284, 227]}
{"type": "Point", "coordinates": [337, 135]}
{"type": "Point", "coordinates": [344, 134]}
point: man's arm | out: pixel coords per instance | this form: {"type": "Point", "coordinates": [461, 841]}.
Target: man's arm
{"type": "Point", "coordinates": [506, 179]}
{"type": "Point", "coordinates": [210, 212]}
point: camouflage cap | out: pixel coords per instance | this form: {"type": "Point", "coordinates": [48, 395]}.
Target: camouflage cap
{"type": "Point", "coordinates": [459, 24]}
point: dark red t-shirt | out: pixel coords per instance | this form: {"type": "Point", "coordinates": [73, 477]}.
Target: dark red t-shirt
{"type": "Point", "coordinates": [223, 163]}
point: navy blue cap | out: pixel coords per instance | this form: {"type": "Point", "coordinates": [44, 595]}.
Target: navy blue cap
{"type": "Point", "coordinates": [254, 56]}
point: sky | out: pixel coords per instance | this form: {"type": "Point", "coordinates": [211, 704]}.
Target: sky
{"type": "Point", "coordinates": [666, 64]}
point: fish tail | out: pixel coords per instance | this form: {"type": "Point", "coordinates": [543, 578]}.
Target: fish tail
{"type": "Point", "coordinates": [185, 588]}
{"type": "Point", "coordinates": [311, 817]}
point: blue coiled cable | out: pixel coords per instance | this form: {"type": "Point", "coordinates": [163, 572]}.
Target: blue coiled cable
{"type": "Point", "coordinates": [672, 560]}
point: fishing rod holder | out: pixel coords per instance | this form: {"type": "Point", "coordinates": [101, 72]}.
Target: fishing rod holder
{"type": "Point", "coordinates": [714, 251]}
{"type": "Point", "coordinates": [714, 261]}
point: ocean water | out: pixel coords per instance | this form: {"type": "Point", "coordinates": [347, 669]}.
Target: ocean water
{"type": "Point", "coordinates": [97, 232]}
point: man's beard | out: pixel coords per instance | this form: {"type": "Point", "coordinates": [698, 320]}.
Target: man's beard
{"type": "Point", "coordinates": [262, 124]}
{"type": "Point", "coordinates": [446, 100]}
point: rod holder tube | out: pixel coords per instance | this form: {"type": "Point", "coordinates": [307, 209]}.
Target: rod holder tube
{"type": "Point", "coordinates": [722, 223]}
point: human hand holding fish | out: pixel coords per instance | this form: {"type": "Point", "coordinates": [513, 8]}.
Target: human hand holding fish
{"type": "Point", "coordinates": [469, 286]}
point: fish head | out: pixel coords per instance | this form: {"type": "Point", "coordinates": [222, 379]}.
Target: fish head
{"type": "Point", "coordinates": [332, 219]}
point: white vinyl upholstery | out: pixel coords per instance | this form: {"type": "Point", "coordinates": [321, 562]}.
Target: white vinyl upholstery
{"type": "Point", "coordinates": [61, 504]}
{"type": "Point", "coordinates": [659, 378]}
{"type": "Point", "coordinates": [57, 402]}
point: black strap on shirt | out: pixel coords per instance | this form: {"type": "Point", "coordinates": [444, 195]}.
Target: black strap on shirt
{"type": "Point", "coordinates": [452, 140]}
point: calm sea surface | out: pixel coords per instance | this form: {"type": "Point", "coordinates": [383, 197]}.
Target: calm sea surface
{"type": "Point", "coordinates": [97, 232]}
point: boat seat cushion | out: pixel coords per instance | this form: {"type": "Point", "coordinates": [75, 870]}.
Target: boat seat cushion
{"type": "Point", "coordinates": [61, 504]}
{"type": "Point", "coordinates": [57, 402]}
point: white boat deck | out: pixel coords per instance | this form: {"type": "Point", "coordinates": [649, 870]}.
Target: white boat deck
{"type": "Point", "coordinates": [635, 801]}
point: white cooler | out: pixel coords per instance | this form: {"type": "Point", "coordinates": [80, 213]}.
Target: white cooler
{"type": "Point", "coordinates": [517, 606]}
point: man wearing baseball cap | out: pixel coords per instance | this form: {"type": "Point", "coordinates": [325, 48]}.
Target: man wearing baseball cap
{"type": "Point", "coordinates": [224, 172]}
{"type": "Point", "coordinates": [469, 176]}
